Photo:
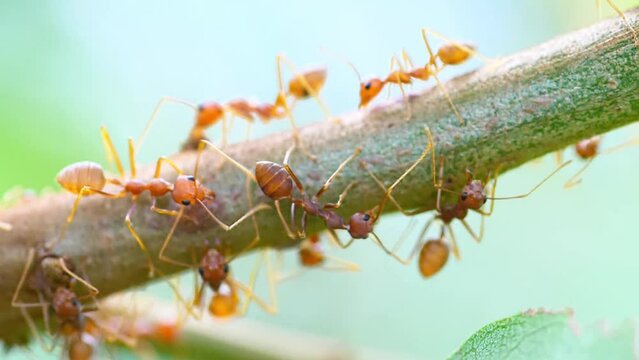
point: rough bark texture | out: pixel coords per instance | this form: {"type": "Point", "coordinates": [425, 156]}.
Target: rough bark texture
{"type": "Point", "coordinates": [516, 109]}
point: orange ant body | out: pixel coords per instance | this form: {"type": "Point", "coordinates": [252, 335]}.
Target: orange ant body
{"type": "Point", "coordinates": [472, 197]}
{"type": "Point", "coordinates": [276, 182]}
{"type": "Point", "coordinates": [452, 53]}
{"type": "Point", "coordinates": [87, 178]}
{"type": "Point", "coordinates": [303, 85]}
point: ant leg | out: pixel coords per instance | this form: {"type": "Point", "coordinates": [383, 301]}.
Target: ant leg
{"type": "Point", "coordinates": [576, 178]}
{"type": "Point", "coordinates": [453, 240]}
{"type": "Point", "coordinates": [420, 238]}
{"type": "Point", "coordinates": [288, 169]}
{"type": "Point", "coordinates": [623, 17]}
{"type": "Point", "coordinates": [111, 153]}
{"type": "Point", "coordinates": [202, 146]}
{"type": "Point", "coordinates": [167, 240]}
{"type": "Point", "coordinates": [336, 241]}
{"type": "Point", "coordinates": [92, 289]}
{"type": "Point", "coordinates": [305, 84]}
{"type": "Point", "coordinates": [162, 160]}
{"type": "Point", "coordinates": [534, 188]}
{"type": "Point", "coordinates": [284, 222]}
{"type": "Point", "coordinates": [339, 264]}
{"type": "Point", "coordinates": [34, 330]}
{"type": "Point", "coordinates": [181, 301]}
{"type": "Point", "coordinates": [159, 105]}
{"type": "Point", "coordinates": [85, 191]}
{"type": "Point", "coordinates": [391, 188]}
{"type": "Point", "coordinates": [444, 92]}
{"type": "Point", "coordinates": [23, 278]}
{"type": "Point", "coordinates": [255, 225]}
{"type": "Point", "coordinates": [471, 231]}
{"type": "Point", "coordinates": [132, 159]}
{"type": "Point", "coordinates": [339, 169]}
{"type": "Point", "coordinates": [379, 243]}
{"type": "Point", "coordinates": [394, 60]}
{"type": "Point", "coordinates": [272, 306]}
{"type": "Point", "coordinates": [162, 211]}
{"type": "Point", "coordinates": [138, 239]}
{"type": "Point", "coordinates": [390, 196]}
{"type": "Point", "coordinates": [238, 221]}
{"type": "Point", "coordinates": [341, 197]}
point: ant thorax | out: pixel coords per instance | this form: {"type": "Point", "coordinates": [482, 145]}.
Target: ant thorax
{"type": "Point", "coordinates": [473, 195]}
{"type": "Point", "coordinates": [450, 212]}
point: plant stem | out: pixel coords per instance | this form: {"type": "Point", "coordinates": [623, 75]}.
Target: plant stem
{"type": "Point", "coordinates": [516, 109]}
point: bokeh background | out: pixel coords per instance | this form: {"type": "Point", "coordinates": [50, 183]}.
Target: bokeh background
{"type": "Point", "coordinates": [68, 67]}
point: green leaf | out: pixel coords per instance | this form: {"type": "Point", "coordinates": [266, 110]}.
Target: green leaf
{"type": "Point", "coordinates": [548, 335]}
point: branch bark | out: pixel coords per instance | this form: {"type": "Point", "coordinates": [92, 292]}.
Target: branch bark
{"type": "Point", "coordinates": [516, 109]}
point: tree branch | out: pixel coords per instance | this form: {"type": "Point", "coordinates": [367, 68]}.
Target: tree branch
{"type": "Point", "coordinates": [516, 109]}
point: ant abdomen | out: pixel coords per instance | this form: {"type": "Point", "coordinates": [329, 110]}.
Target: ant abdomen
{"type": "Point", "coordinates": [82, 174]}
{"type": "Point", "coordinates": [224, 302]}
{"type": "Point", "coordinates": [273, 179]}
{"type": "Point", "coordinates": [79, 349]}
{"type": "Point", "coordinates": [311, 255]}
{"type": "Point", "coordinates": [432, 257]}
{"type": "Point", "coordinates": [588, 148]}
{"type": "Point", "coordinates": [453, 54]}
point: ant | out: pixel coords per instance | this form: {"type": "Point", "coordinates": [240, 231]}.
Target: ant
{"type": "Point", "coordinates": [276, 182]}
{"type": "Point", "coordinates": [303, 85]}
{"type": "Point", "coordinates": [312, 256]}
{"type": "Point", "coordinates": [87, 178]}
{"type": "Point", "coordinates": [587, 150]}
{"type": "Point", "coordinates": [215, 273]}
{"type": "Point", "coordinates": [451, 53]}
{"type": "Point", "coordinates": [472, 197]}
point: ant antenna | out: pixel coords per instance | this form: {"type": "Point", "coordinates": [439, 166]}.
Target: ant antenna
{"type": "Point", "coordinates": [534, 188]}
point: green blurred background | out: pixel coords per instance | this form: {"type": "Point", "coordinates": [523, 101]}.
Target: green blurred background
{"type": "Point", "coordinates": [68, 67]}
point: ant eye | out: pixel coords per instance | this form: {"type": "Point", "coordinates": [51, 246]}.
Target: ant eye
{"type": "Point", "coordinates": [186, 202]}
{"type": "Point", "coordinates": [368, 85]}
{"type": "Point", "coordinates": [485, 199]}
{"type": "Point", "coordinates": [75, 302]}
{"type": "Point", "coordinates": [464, 196]}
{"type": "Point", "coordinates": [201, 271]}
{"type": "Point", "coordinates": [200, 108]}
{"type": "Point", "coordinates": [191, 178]}
{"type": "Point", "coordinates": [366, 217]}
{"type": "Point", "coordinates": [226, 268]}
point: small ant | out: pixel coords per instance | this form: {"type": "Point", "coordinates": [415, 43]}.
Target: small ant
{"type": "Point", "coordinates": [452, 53]}
{"type": "Point", "coordinates": [472, 197]}
{"type": "Point", "coordinates": [215, 273]}
{"type": "Point", "coordinates": [87, 178]}
{"type": "Point", "coordinates": [276, 182]}
{"type": "Point", "coordinates": [588, 150]}
{"type": "Point", "coordinates": [312, 256]}
{"type": "Point", "coordinates": [303, 85]}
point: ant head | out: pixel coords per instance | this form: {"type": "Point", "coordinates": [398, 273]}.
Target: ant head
{"type": "Point", "coordinates": [224, 302]}
{"type": "Point", "coordinates": [368, 90]}
{"type": "Point", "coordinates": [360, 225]}
{"type": "Point", "coordinates": [473, 195]}
{"type": "Point", "coordinates": [314, 78]}
{"type": "Point", "coordinates": [208, 114]}
{"type": "Point", "coordinates": [453, 54]}
{"type": "Point", "coordinates": [432, 257]}
{"type": "Point", "coordinates": [65, 304]}
{"type": "Point", "coordinates": [588, 148]}
{"type": "Point", "coordinates": [188, 190]}
{"type": "Point", "coordinates": [78, 348]}
{"type": "Point", "coordinates": [213, 268]}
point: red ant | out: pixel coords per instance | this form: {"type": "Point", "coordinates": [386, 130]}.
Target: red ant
{"type": "Point", "coordinates": [452, 53]}
{"type": "Point", "coordinates": [303, 85]}
{"type": "Point", "coordinates": [276, 182]}
{"type": "Point", "coordinates": [588, 150]}
{"type": "Point", "coordinates": [472, 197]}
{"type": "Point", "coordinates": [215, 273]}
{"type": "Point", "coordinates": [312, 256]}
{"type": "Point", "coordinates": [52, 280]}
{"type": "Point", "coordinates": [87, 178]}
